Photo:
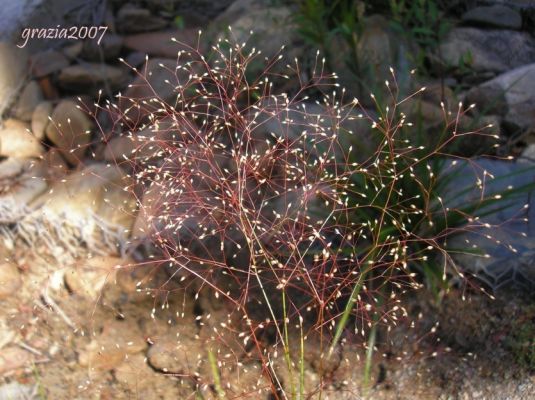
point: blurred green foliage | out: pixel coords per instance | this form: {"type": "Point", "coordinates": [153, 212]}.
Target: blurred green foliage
{"type": "Point", "coordinates": [422, 22]}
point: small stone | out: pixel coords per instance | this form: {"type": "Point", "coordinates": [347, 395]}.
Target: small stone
{"type": "Point", "coordinates": [430, 112]}
{"type": "Point", "coordinates": [12, 358]}
{"type": "Point", "coordinates": [30, 97]}
{"type": "Point", "coordinates": [135, 59]}
{"type": "Point", "coordinates": [180, 356]}
{"type": "Point", "coordinates": [10, 281]}
{"type": "Point", "coordinates": [99, 358]}
{"type": "Point", "coordinates": [56, 166]}
{"type": "Point", "coordinates": [90, 77]}
{"type": "Point", "coordinates": [134, 19]}
{"type": "Point", "coordinates": [47, 62]}
{"type": "Point", "coordinates": [21, 181]}
{"type": "Point", "coordinates": [491, 50]}
{"type": "Point", "coordinates": [17, 141]}
{"type": "Point", "coordinates": [120, 148]}
{"type": "Point", "coordinates": [497, 15]}
{"type": "Point", "coordinates": [108, 49]}
{"type": "Point", "coordinates": [511, 95]}
{"type": "Point", "coordinates": [140, 145]}
{"type": "Point", "coordinates": [88, 278]}
{"type": "Point", "coordinates": [266, 20]}
{"type": "Point", "coordinates": [48, 88]}
{"type": "Point", "coordinates": [111, 348]}
{"type": "Point", "coordinates": [199, 12]}
{"type": "Point", "coordinates": [529, 152]}
{"type": "Point", "coordinates": [40, 120]}
{"type": "Point", "coordinates": [13, 70]}
{"type": "Point", "coordinates": [160, 44]}
{"type": "Point", "coordinates": [73, 51]}
{"type": "Point", "coordinates": [158, 71]}
{"type": "Point", "coordinates": [16, 391]}
{"type": "Point", "coordinates": [69, 131]}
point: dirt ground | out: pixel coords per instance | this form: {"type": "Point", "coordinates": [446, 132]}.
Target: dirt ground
{"type": "Point", "coordinates": [86, 331]}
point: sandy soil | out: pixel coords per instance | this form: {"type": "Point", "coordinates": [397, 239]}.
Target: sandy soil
{"type": "Point", "coordinates": [83, 331]}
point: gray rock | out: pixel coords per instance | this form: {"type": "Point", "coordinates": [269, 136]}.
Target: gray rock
{"type": "Point", "coordinates": [510, 243]}
{"type": "Point", "coordinates": [195, 13]}
{"type": "Point", "coordinates": [30, 97]}
{"type": "Point", "coordinates": [72, 51]}
{"type": "Point", "coordinates": [47, 62]}
{"type": "Point", "coordinates": [91, 77]}
{"type": "Point", "coordinates": [489, 50]}
{"type": "Point", "coordinates": [161, 44]}
{"type": "Point", "coordinates": [131, 19]}
{"type": "Point", "coordinates": [511, 95]}
{"type": "Point", "coordinates": [353, 128]}
{"type": "Point", "coordinates": [159, 70]}
{"type": "Point", "coordinates": [135, 59]}
{"type": "Point", "coordinates": [142, 145]}
{"type": "Point", "coordinates": [14, 15]}
{"type": "Point", "coordinates": [496, 16]}
{"type": "Point", "coordinates": [529, 153]}
{"type": "Point", "coordinates": [522, 5]}
{"type": "Point", "coordinates": [108, 49]}
{"type": "Point", "coordinates": [21, 14]}
{"type": "Point", "coordinates": [13, 70]}
{"type": "Point", "coordinates": [272, 27]}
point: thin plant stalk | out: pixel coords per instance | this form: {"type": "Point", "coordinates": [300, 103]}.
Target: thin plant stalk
{"type": "Point", "coordinates": [215, 374]}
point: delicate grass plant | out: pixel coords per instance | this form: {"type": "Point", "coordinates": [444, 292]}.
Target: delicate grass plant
{"type": "Point", "coordinates": [255, 195]}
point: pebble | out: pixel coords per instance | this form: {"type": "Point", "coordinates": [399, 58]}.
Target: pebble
{"type": "Point", "coordinates": [90, 77]}
{"type": "Point", "coordinates": [10, 280]}
{"type": "Point", "coordinates": [89, 277]}
{"type": "Point", "coordinates": [30, 97]}
{"type": "Point", "coordinates": [17, 141]}
{"type": "Point", "coordinates": [12, 358]}
{"type": "Point", "coordinates": [134, 19]}
{"type": "Point", "coordinates": [179, 356]}
{"type": "Point", "coordinates": [69, 131]}
{"type": "Point", "coordinates": [13, 70]}
{"type": "Point", "coordinates": [112, 347]}
{"type": "Point", "coordinates": [16, 391]}
{"type": "Point", "coordinates": [47, 62]}
{"type": "Point", "coordinates": [39, 120]}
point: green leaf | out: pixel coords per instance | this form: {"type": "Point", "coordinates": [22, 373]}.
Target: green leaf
{"type": "Point", "coordinates": [179, 22]}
